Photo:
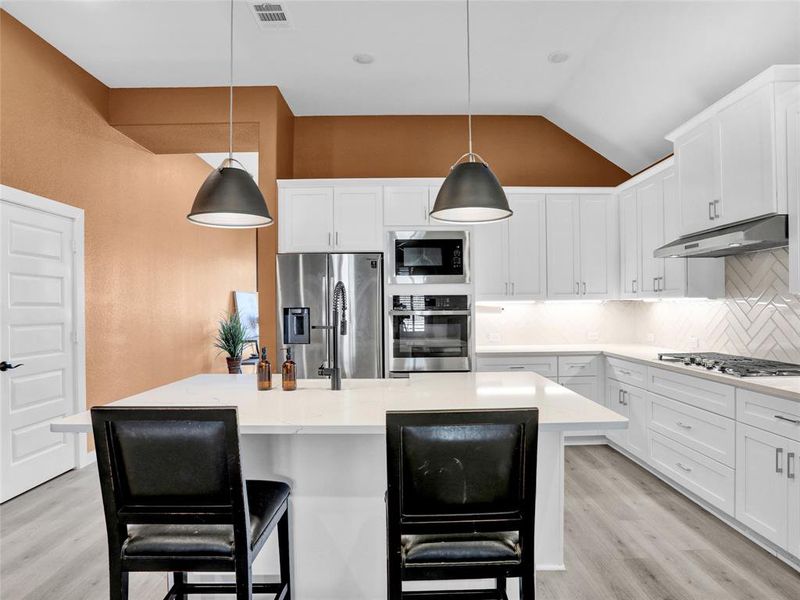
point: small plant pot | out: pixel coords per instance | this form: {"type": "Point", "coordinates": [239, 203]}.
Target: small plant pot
{"type": "Point", "coordinates": [234, 365]}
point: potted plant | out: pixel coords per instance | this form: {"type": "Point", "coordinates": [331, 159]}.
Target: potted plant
{"type": "Point", "coordinates": [231, 339]}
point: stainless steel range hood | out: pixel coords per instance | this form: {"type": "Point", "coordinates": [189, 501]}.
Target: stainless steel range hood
{"type": "Point", "coordinates": [759, 234]}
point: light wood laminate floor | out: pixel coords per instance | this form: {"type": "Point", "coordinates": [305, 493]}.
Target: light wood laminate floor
{"type": "Point", "coordinates": [629, 537]}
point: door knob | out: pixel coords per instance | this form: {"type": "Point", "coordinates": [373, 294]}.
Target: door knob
{"type": "Point", "coordinates": [7, 366]}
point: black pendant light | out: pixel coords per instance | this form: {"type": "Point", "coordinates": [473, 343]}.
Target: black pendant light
{"type": "Point", "coordinates": [471, 192]}
{"type": "Point", "coordinates": [229, 197]}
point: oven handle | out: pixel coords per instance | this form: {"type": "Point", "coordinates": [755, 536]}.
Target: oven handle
{"type": "Point", "coordinates": [429, 313]}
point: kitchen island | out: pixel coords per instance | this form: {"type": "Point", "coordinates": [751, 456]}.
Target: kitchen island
{"type": "Point", "coordinates": [330, 447]}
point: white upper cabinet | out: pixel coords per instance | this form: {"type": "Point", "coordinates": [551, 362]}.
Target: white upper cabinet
{"type": "Point", "coordinates": [357, 219]}
{"type": "Point", "coordinates": [328, 219]}
{"type": "Point", "coordinates": [650, 215]}
{"type": "Point", "coordinates": [563, 246]}
{"type": "Point", "coordinates": [732, 158]}
{"type": "Point", "coordinates": [697, 161]}
{"type": "Point", "coordinates": [582, 246]}
{"type": "Point", "coordinates": [747, 158]}
{"type": "Point", "coordinates": [792, 178]}
{"type": "Point", "coordinates": [406, 206]}
{"type": "Point", "coordinates": [305, 219]}
{"type": "Point", "coordinates": [509, 256]}
{"type": "Point", "coordinates": [629, 243]}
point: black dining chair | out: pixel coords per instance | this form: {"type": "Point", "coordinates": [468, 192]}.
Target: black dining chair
{"type": "Point", "coordinates": [460, 501]}
{"type": "Point", "coordinates": [175, 500]}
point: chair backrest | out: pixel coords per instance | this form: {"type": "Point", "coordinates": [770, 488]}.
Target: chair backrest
{"type": "Point", "coordinates": [170, 465]}
{"type": "Point", "coordinates": [461, 470]}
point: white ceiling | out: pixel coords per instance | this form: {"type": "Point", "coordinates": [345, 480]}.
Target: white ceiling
{"type": "Point", "coordinates": [637, 69]}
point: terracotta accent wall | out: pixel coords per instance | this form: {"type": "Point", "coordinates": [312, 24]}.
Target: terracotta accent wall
{"type": "Point", "coordinates": [155, 284]}
{"type": "Point", "coordinates": [521, 150]}
{"type": "Point", "coordinates": [193, 120]}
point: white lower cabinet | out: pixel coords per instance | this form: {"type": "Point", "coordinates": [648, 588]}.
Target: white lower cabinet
{"type": "Point", "coordinates": [629, 401]}
{"type": "Point", "coordinates": [709, 479]}
{"type": "Point", "coordinates": [764, 472]}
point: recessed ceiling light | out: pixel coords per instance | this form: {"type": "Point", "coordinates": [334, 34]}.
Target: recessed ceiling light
{"type": "Point", "coordinates": [363, 59]}
{"type": "Point", "coordinates": [558, 57]}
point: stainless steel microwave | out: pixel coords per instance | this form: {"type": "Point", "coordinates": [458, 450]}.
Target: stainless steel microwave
{"type": "Point", "coordinates": [428, 257]}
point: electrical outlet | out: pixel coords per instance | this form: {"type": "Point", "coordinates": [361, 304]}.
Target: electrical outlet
{"type": "Point", "coordinates": [592, 336]}
{"type": "Point", "coordinates": [694, 343]}
{"type": "Point", "coordinates": [494, 337]}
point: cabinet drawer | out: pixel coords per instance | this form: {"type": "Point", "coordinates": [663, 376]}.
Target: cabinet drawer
{"type": "Point", "coordinates": [712, 481]}
{"type": "Point", "coordinates": [577, 366]}
{"type": "Point", "coordinates": [776, 415]}
{"type": "Point", "coordinates": [702, 393]}
{"type": "Point", "coordinates": [708, 433]}
{"type": "Point", "coordinates": [543, 365]}
{"type": "Point", "coordinates": [626, 372]}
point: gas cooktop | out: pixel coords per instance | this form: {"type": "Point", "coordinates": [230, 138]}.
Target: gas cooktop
{"type": "Point", "coordinates": [730, 364]}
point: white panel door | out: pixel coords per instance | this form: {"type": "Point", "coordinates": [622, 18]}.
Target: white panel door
{"type": "Point", "coordinates": [674, 269]}
{"type": "Point", "coordinates": [357, 219]}
{"type": "Point", "coordinates": [490, 260]}
{"type": "Point", "coordinates": [650, 196]}
{"type": "Point", "coordinates": [305, 218]}
{"type": "Point", "coordinates": [405, 206]}
{"type": "Point", "coordinates": [527, 249]}
{"type": "Point", "coordinates": [36, 325]}
{"type": "Point", "coordinates": [697, 162]}
{"type": "Point", "coordinates": [563, 246]}
{"type": "Point", "coordinates": [761, 482]}
{"type": "Point", "coordinates": [594, 245]}
{"type": "Point", "coordinates": [747, 157]}
{"type": "Point", "coordinates": [629, 233]}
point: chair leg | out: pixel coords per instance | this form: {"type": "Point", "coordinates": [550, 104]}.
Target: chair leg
{"type": "Point", "coordinates": [179, 579]}
{"type": "Point", "coordinates": [118, 583]}
{"type": "Point", "coordinates": [501, 587]}
{"type": "Point", "coordinates": [284, 553]}
{"type": "Point", "coordinates": [244, 580]}
{"type": "Point", "coordinates": [527, 586]}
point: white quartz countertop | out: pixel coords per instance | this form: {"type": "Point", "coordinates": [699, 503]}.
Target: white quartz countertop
{"type": "Point", "coordinates": [360, 407]}
{"type": "Point", "coordinates": [784, 387]}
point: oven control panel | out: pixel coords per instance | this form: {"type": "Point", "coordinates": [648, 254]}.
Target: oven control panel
{"type": "Point", "coordinates": [429, 302]}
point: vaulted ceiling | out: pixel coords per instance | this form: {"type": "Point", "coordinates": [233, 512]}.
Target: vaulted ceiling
{"type": "Point", "coordinates": [636, 69]}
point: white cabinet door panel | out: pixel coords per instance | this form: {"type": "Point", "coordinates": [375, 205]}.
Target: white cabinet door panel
{"type": "Point", "coordinates": [629, 246]}
{"type": "Point", "coordinates": [638, 432]}
{"type": "Point", "coordinates": [563, 260]}
{"type": "Point", "coordinates": [527, 263]}
{"type": "Point", "coordinates": [696, 159]}
{"type": "Point", "coordinates": [490, 260]}
{"type": "Point", "coordinates": [747, 157]}
{"type": "Point", "coordinates": [761, 482]}
{"type": "Point", "coordinates": [595, 245]}
{"type": "Point", "coordinates": [306, 220]}
{"type": "Point", "coordinates": [793, 499]}
{"type": "Point", "coordinates": [405, 206]}
{"type": "Point", "coordinates": [357, 219]}
{"type": "Point", "coordinates": [674, 270]}
{"type": "Point", "coordinates": [615, 402]}
{"type": "Point", "coordinates": [650, 197]}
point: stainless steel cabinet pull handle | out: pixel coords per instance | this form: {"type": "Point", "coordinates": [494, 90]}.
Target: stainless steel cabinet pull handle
{"type": "Point", "coordinates": [516, 367]}
{"type": "Point", "coordinates": [513, 289]}
{"type": "Point", "coordinates": [684, 425]}
{"type": "Point", "coordinates": [790, 465]}
{"type": "Point", "coordinates": [716, 214]}
{"type": "Point", "coordinates": [635, 283]}
{"type": "Point", "coordinates": [506, 292]}
{"type": "Point", "coordinates": [787, 419]}
{"type": "Point", "coordinates": [577, 288]}
{"type": "Point", "coordinates": [584, 288]}
{"type": "Point", "coordinates": [684, 467]}
{"type": "Point", "coordinates": [337, 238]}
{"type": "Point", "coordinates": [655, 284]}
{"type": "Point", "coordinates": [778, 462]}
{"type": "Point", "coordinates": [329, 238]}
{"type": "Point", "coordinates": [710, 213]}
{"type": "Point", "coordinates": [624, 395]}
{"type": "Point", "coordinates": [619, 397]}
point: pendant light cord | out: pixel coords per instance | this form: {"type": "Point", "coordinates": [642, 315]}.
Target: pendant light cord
{"type": "Point", "coordinates": [230, 93]}
{"type": "Point", "coordinates": [469, 86]}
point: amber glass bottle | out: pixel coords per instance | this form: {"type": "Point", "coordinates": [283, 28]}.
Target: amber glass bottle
{"type": "Point", "coordinates": [289, 372]}
{"type": "Point", "coordinates": [264, 372]}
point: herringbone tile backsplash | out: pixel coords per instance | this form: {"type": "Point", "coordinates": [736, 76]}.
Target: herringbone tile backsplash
{"type": "Point", "coordinates": [758, 317]}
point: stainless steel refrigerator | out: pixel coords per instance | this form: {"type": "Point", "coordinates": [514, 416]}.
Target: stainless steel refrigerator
{"type": "Point", "coordinates": [305, 292]}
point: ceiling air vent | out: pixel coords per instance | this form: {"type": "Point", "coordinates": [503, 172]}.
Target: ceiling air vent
{"type": "Point", "coordinates": [271, 15]}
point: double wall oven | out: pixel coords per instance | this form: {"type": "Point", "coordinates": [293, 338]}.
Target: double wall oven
{"type": "Point", "coordinates": [430, 333]}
